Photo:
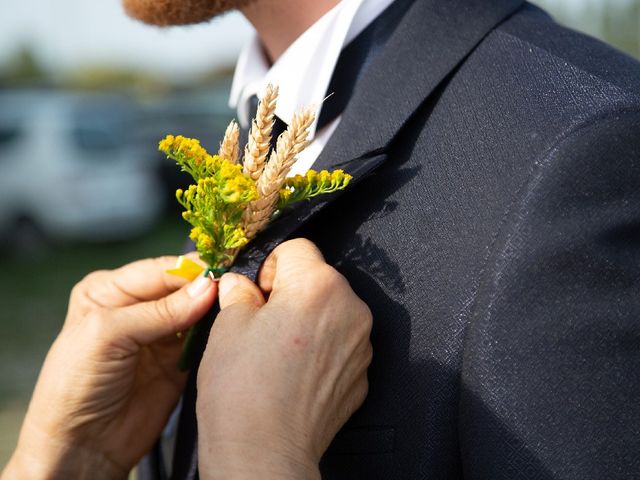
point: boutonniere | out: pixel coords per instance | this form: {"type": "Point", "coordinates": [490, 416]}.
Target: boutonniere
{"type": "Point", "coordinates": [232, 201]}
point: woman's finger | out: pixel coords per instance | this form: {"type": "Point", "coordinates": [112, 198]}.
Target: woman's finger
{"type": "Point", "coordinates": [147, 322]}
{"type": "Point", "coordinates": [287, 259]}
{"type": "Point", "coordinates": [235, 288]}
{"type": "Point", "coordinates": [135, 282]}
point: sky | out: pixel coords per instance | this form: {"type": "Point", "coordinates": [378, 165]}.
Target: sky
{"type": "Point", "coordinates": [67, 34]}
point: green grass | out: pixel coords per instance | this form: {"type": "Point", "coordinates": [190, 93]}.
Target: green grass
{"type": "Point", "coordinates": [34, 291]}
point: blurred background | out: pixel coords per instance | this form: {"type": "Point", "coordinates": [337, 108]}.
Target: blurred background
{"type": "Point", "coordinates": [85, 95]}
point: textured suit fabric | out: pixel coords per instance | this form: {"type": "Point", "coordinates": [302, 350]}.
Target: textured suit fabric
{"type": "Point", "coordinates": [494, 230]}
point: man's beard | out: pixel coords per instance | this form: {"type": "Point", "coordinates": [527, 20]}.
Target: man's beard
{"type": "Point", "coordinates": [179, 12]}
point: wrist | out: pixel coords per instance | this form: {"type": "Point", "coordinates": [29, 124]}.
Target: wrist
{"type": "Point", "coordinates": [247, 461]}
{"type": "Point", "coordinates": [74, 464]}
{"type": "Point", "coordinates": [39, 456]}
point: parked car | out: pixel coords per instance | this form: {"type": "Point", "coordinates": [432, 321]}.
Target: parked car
{"type": "Point", "coordinates": [69, 170]}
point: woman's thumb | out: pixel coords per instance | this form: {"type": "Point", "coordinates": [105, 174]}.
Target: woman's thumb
{"type": "Point", "coordinates": [147, 322]}
{"type": "Point", "coordinates": [235, 288]}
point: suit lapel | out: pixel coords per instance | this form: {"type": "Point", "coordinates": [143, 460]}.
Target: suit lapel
{"type": "Point", "coordinates": [437, 33]}
{"type": "Point", "coordinates": [286, 226]}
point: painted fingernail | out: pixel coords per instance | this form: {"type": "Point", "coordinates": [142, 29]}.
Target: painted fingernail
{"type": "Point", "coordinates": [198, 286]}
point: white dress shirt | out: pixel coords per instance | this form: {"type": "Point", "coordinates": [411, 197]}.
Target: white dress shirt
{"type": "Point", "coordinates": [303, 71]}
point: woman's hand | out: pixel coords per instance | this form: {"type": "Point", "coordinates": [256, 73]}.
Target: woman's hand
{"type": "Point", "coordinates": [279, 379]}
{"type": "Point", "coordinates": [110, 379]}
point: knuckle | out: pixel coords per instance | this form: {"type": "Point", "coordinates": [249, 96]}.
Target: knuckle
{"type": "Point", "coordinates": [88, 283]}
{"type": "Point", "coordinates": [366, 315]}
{"type": "Point", "coordinates": [299, 248]}
{"type": "Point", "coordinates": [368, 356]}
{"type": "Point", "coordinates": [321, 288]}
{"type": "Point", "coordinates": [76, 292]}
{"type": "Point", "coordinates": [92, 278]}
{"type": "Point", "coordinates": [356, 398]}
{"type": "Point", "coordinates": [297, 243]}
{"type": "Point", "coordinates": [95, 322]}
{"type": "Point", "coordinates": [328, 279]}
{"type": "Point", "coordinates": [164, 260]}
{"type": "Point", "coordinates": [164, 310]}
{"type": "Point", "coordinates": [89, 294]}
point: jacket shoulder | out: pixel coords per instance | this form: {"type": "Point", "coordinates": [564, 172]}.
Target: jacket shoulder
{"type": "Point", "coordinates": [534, 29]}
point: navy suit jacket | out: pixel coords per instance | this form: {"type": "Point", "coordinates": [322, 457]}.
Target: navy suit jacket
{"type": "Point", "coordinates": [493, 227]}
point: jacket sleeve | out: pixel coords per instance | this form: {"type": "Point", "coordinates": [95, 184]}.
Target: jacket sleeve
{"type": "Point", "coordinates": [551, 370]}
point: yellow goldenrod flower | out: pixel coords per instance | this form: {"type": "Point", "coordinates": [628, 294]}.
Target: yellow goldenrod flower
{"type": "Point", "coordinates": [167, 143]}
{"type": "Point", "coordinates": [204, 242]}
{"type": "Point", "coordinates": [285, 194]}
{"type": "Point", "coordinates": [216, 203]}
{"type": "Point", "coordinates": [311, 176]}
{"type": "Point", "coordinates": [234, 237]}
{"type": "Point", "coordinates": [195, 233]}
{"type": "Point", "coordinates": [313, 183]}
{"type": "Point", "coordinates": [213, 162]}
{"type": "Point", "coordinates": [324, 177]}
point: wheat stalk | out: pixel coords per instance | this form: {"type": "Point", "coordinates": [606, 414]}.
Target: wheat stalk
{"type": "Point", "coordinates": [290, 144]}
{"type": "Point", "coordinates": [230, 148]}
{"type": "Point", "coordinates": [258, 144]}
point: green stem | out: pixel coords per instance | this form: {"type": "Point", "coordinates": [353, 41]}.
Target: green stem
{"type": "Point", "coordinates": [188, 348]}
{"type": "Point", "coordinates": [186, 356]}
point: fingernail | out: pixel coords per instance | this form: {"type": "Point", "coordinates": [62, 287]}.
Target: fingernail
{"type": "Point", "coordinates": [227, 283]}
{"type": "Point", "coordinates": [198, 286]}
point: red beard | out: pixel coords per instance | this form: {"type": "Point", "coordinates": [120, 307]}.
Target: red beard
{"type": "Point", "coordinates": [179, 12]}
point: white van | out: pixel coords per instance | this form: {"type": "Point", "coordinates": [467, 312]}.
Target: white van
{"type": "Point", "coordinates": [70, 170]}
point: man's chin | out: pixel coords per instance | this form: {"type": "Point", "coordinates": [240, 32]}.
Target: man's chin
{"type": "Point", "coordinates": [179, 12]}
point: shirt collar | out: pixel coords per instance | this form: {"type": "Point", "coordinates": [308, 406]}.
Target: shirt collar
{"type": "Point", "coordinates": [304, 70]}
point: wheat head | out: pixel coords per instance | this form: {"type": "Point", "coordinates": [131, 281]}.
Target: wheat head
{"type": "Point", "coordinates": [258, 144]}
{"type": "Point", "coordinates": [230, 148]}
{"type": "Point", "coordinates": [288, 146]}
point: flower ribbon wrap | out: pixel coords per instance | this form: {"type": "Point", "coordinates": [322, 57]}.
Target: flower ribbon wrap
{"type": "Point", "coordinates": [232, 201]}
{"type": "Point", "coordinates": [186, 268]}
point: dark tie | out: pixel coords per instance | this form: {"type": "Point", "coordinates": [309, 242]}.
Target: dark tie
{"type": "Point", "coordinates": [342, 82]}
{"type": "Point", "coordinates": [279, 126]}
{"type": "Point", "coordinates": [351, 63]}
